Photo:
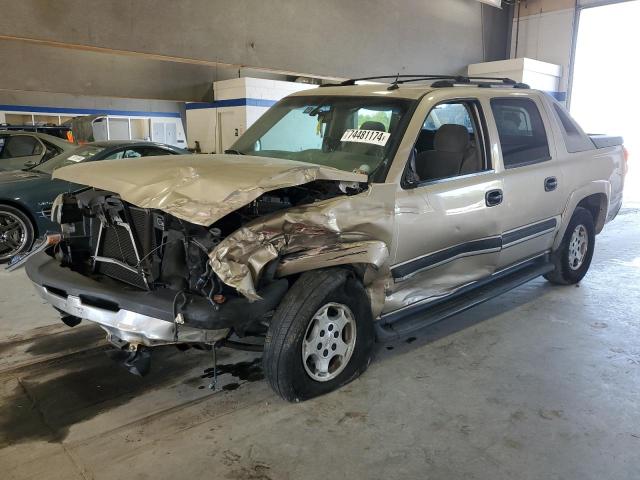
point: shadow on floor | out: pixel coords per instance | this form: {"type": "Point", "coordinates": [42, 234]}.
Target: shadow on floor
{"type": "Point", "coordinates": [40, 409]}
{"type": "Point", "coordinates": [503, 304]}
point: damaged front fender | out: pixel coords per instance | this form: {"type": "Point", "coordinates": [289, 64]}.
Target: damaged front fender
{"type": "Point", "coordinates": [353, 230]}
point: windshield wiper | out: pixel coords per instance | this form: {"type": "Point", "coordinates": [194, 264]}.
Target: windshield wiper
{"type": "Point", "coordinates": [233, 152]}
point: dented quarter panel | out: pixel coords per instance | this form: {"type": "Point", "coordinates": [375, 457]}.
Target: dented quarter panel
{"type": "Point", "coordinates": [354, 229]}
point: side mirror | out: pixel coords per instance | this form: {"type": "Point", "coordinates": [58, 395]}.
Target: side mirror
{"type": "Point", "coordinates": [409, 184]}
{"type": "Point", "coordinates": [30, 164]}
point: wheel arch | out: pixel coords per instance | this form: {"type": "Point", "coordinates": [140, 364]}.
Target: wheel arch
{"type": "Point", "coordinates": [24, 210]}
{"type": "Point", "coordinates": [594, 197]}
{"type": "Point", "coordinates": [365, 260]}
{"type": "Point", "coordinates": [597, 204]}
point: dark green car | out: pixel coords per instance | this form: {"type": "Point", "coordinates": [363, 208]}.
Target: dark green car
{"type": "Point", "coordinates": [26, 195]}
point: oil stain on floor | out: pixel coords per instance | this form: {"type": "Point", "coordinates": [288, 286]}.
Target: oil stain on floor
{"type": "Point", "coordinates": [40, 409]}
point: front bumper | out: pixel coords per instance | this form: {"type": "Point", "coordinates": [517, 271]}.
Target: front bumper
{"type": "Point", "coordinates": [127, 326]}
{"type": "Point", "coordinates": [144, 317]}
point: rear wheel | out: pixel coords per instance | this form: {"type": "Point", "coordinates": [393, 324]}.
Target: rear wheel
{"type": "Point", "coordinates": [16, 232]}
{"type": "Point", "coordinates": [321, 336]}
{"type": "Point", "coordinates": [573, 258]}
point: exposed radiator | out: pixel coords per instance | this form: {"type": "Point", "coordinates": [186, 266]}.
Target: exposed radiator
{"type": "Point", "coordinates": [121, 249]}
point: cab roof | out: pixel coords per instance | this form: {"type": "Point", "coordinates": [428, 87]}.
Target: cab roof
{"type": "Point", "coordinates": [413, 92]}
{"type": "Point", "coordinates": [416, 86]}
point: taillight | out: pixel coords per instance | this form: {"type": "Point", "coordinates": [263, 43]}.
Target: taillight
{"type": "Point", "coordinates": [625, 154]}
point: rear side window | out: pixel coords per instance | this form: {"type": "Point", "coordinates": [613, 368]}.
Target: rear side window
{"type": "Point", "coordinates": [574, 139]}
{"type": "Point", "coordinates": [20, 146]}
{"type": "Point", "coordinates": [52, 150]}
{"type": "Point", "coordinates": [522, 134]}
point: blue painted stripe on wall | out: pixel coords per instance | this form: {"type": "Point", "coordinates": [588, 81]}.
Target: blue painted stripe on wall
{"type": "Point", "coordinates": [199, 105]}
{"type": "Point", "coordinates": [86, 111]}
{"type": "Point", "coordinates": [232, 102]}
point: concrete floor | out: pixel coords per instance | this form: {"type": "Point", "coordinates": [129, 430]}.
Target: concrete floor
{"type": "Point", "coordinates": [543, 382]}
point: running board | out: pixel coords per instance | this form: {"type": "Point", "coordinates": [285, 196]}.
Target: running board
{"type": "Point", "coordinates": [401, 323]}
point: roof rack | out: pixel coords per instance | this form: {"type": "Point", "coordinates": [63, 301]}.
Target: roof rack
{"type": "Point", "coordinates": [440, 81]}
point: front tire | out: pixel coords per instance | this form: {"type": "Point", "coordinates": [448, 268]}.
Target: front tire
{"type": "Point", "coordinates": [321, 336]}
{"type": "Point", "coordinates": [16, 232]}
{"type": "Point", "coordinates": [573, 258]}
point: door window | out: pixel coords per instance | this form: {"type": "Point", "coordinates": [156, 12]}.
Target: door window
{"type": "Point", "coordinates": [450, 143]}
{"type": "Point", "coordinates": [20, 146]}
{"type": "Point", "coordinates": [522, 134]}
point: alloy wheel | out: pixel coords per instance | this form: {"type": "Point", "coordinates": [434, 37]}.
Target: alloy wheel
{"type": "Point", "coordinates": [329, 342]}
{"type": "Point", "coordinates": [578, 247]}
{"type": "Point", "coordinates": [13, 235]}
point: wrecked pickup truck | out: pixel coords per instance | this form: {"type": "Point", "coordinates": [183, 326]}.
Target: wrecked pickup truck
{"type": "Point", "coordinates": [343, 215]}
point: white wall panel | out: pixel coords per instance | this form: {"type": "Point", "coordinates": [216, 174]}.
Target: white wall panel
{"type": "Point", "coordinates": [546, 37]}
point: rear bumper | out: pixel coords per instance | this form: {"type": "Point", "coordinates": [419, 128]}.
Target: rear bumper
{"type": "Point", "coordinates": [144, 317]}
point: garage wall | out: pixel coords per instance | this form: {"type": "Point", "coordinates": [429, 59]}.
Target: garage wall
{"type": "Point", "coordinates": [546, 32]}
{"type": "Point", "coordinates": [137, 49]}
{"type": "Point", "coordinates": [43, 99]}
{"type": "Point", "coordinates": [31, 67]}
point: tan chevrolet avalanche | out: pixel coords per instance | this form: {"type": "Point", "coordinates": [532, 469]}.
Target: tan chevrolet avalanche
{"type": "Point", "coordinates": [346, 214]}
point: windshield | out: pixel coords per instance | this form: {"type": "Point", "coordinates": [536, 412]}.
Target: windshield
{"type": "Point", "coordinates": [356, 134]}
{"type": "Point", "coordinates": [80, 154]}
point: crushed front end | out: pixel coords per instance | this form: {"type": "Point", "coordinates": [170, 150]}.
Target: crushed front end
{"type": "Point", "coordinates": [143, 275]}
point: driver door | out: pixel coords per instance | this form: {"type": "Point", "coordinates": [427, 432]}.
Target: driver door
{"type": "Point", "coordinates": [448, 210]}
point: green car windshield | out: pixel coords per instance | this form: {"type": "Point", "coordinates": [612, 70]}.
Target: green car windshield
{"type": "Point", "coordinates": [356, 134]}
{"type": "Point", "coordinates": [77, 155]}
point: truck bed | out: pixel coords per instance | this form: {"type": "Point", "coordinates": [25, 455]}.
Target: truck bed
{"type": "Point", "coordinates": [604, 141]}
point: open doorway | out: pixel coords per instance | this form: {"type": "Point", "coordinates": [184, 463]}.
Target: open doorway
{"type": "Point", "coordinates": [604, 96]}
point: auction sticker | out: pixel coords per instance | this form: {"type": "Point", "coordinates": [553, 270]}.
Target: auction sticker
{"type": "Point", "coordinates": [373, 137]}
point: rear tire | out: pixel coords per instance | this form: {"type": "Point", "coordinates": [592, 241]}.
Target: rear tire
{"type": "Point", "coordinates": [16, 232]}
{"type": "Point", "coordinates": [321, 336]}
{"type": "Point", "coordinates": [573, 258]}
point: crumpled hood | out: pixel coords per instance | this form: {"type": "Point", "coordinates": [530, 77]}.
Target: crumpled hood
{"type": "Point", "coordinates": [200, 189]}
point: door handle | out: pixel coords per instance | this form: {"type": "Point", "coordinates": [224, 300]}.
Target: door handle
{"type": "Point", "coordinates": [550, 184]}
{"type": "Point", "coordinates": [493, 197]}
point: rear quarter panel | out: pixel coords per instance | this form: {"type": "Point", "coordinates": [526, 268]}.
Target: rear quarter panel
{"type": "Point", "coordinates": [593, 171]}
